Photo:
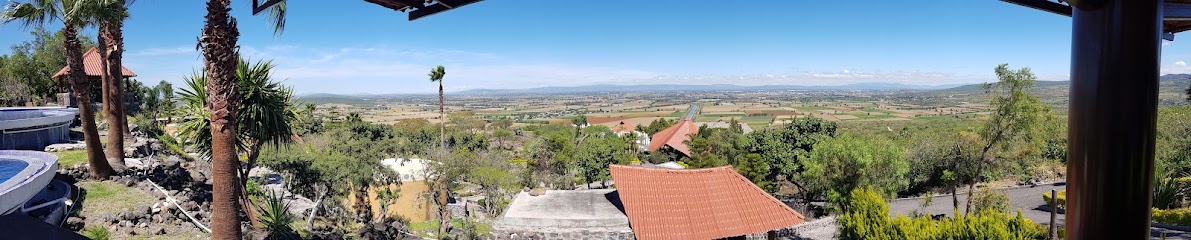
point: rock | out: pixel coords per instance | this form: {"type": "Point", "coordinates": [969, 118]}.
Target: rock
{"type": "Point", "coordinates": [156, 208]}
{"type": "Point", "coordinates": [143, 225]}
{"type": "Point", "coordinates": [62, 147]}
{"type": "Point", "coordinates": [145, 210]}
{"type": "Point", "coordinates": [159, 231]}
{"type": "Point", "coordinates": [125, 223]}
{"type": "Point", "coordinates": [190, 205]}
{"type": "Point", "coordinates": [537, 192]}
{"type": "Point", "coordinates": [75, 223]}
{"type": "Point", "coordinates": [132, 232]}
{"type": "Point", "coordinates": [109, 218]}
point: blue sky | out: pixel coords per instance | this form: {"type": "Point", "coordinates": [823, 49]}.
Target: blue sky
{"type": "Point", "coordinates": [357, 47]}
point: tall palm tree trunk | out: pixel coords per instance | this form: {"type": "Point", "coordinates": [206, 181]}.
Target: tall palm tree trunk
{"type": "Point", "coordinates": [96, 163]}
{"type": "Point", "coordinates": [444, 216]}
{"type": "Point", "coordinates": [113, 93]}
{"type": "Point", "coordinates": [218, 44]}
{"type": "Point", "coordinates": [442, 119]}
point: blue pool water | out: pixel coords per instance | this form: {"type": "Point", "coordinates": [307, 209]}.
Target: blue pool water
{"type": "Point", "coordinates": [10, 167]}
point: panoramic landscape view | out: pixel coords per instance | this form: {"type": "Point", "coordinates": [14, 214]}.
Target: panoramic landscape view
{"type": "Point", "coordinates": [499, 119]}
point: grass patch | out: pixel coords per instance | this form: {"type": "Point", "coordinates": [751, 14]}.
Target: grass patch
{"type": "Point", "coordinates": [72, 157]}
{"type": "Point", "coordinates": [112, 197]}
{"type": "Point", "coordinates": [676, 114]}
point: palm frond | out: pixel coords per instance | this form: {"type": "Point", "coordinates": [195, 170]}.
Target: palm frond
{"type": "Point", "coordinates": [437, 73]}
{"type": "Point", "coordinates": [29, 14]}
{"type": "Point", "coordinates": [277, 17]}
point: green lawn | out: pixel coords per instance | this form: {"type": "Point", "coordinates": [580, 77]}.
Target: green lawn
{"type": "Point", "coordinates": [71, 158]}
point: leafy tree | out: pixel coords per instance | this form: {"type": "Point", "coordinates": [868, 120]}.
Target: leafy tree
{"type": "Point", "coordinates": [787, 146]}
{"type": "Point", "coordinates": [166, 90]}
{"type": "Point", "coordinates": [753, 167]}
{"type": "Point", "coordinates": [550, 155]}
{"type": "Point", "coordinates": [467, 140]}
{"type": "Point", "coordinates": [466, 121]}
{"type": "Point", "coordinates": [74, 15]}
{"type": "Point", "coordinates": [412, 124]}
{"type": "Point", "coordinates": [503, 123]}
{"type": "Point", "coordinates": [839, 165]}
{"type": "Point", "coordinates": [503, 137]}
{"type": "Point", "coordinates": [595, 154]}
{"type": "Point", "coordinates": [657, 125]}
{"type": "Point", "coordinates": [1015, 113]}
{"type": "Point", "coordinates": [491, 174]}
{"type": "Point", "coordinates": [33, 62]}
{"type": "Point", "coordinates": [316, 170]}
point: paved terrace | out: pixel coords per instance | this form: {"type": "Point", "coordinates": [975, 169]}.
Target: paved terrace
{"type": "Point", "coordinates": [562, 211]}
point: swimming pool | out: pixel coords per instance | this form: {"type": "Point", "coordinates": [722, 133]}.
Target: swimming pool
{"type": "Point", "coordinates": [10, 168]}
{"type": "Point", "coordinates": [23, 174]}
{"type": "Point", "coordinates": [35, 128]}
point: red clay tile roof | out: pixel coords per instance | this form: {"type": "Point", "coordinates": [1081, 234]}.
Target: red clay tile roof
{"type": "Point", "coordinates": [704, 203]}
{"type": "Point", "coordinates": [674, 136]}
{"type": "Point", "coordinates": [92, 65]}
{"type": "Point", "coordinates": [622, 127]}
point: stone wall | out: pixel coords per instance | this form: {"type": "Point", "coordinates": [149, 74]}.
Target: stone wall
{"type": "Point", "coordinates": [823, 228]}
{"type": "Point", "coordinates": [577, 235]}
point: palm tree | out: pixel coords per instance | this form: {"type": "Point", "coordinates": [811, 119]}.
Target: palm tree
{"type": "Point", "coordinates": [436, 75]}
{"type": "Point", "coordinates": [218, 45]}
{"type": "Point", "coordinates": [111, 48]}
{"type": "Point", "coordinates": [74, 16]}
{"type": "Point", "coordinates": [265, 116]}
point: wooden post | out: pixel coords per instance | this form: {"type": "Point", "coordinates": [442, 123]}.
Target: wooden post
{"type": "Point", "coordinates": [1054, 209]}
{"type": "Point", "coordinates": [1115, 53]}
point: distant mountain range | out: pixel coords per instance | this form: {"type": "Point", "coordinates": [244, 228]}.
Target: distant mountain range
{"type": "Point", "coordinates": [610, 88]}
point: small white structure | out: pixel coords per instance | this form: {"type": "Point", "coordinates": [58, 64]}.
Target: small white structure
{"type": "Point", "coordinates": [409, 169]}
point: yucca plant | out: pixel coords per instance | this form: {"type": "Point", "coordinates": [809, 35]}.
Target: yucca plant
{"type": "Point", "coordinates": [274, 216]}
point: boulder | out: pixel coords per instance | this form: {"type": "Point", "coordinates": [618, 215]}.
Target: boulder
{"type": "Point", "coordinates": [62, 147]}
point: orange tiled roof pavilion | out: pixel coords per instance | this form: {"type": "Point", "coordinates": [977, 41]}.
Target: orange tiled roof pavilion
{"type": "Point", "coordinates": [674, 136]}
{"type": "Point", "coordinates": [704, 203]}
{"type": "Point", "coordinates": [93, 66]}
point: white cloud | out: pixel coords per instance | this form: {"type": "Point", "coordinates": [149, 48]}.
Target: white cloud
{"type": "Point", "coordinates": [1176, 67]}
{"type": "Point", "coordinates": [389, 69]}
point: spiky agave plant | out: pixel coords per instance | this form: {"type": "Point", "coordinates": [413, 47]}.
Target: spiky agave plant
{"type": "Point", "coordinates": [274, 215]}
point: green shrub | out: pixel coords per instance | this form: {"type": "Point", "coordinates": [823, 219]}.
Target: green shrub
{"type": "Point", "coordinates": [1062, 198]}
{"type": "Point", "coordinates": [990, 200]}
{"type": "Point", "coordinates": [96, 233]}
{"type": "Point", "coordinates": [1181, 216]}
{"type": "Point", "coordinates": [866, 216]}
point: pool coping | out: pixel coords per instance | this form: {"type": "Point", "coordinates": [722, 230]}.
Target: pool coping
{"type": "Point", "coordinates": [28, 181]}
